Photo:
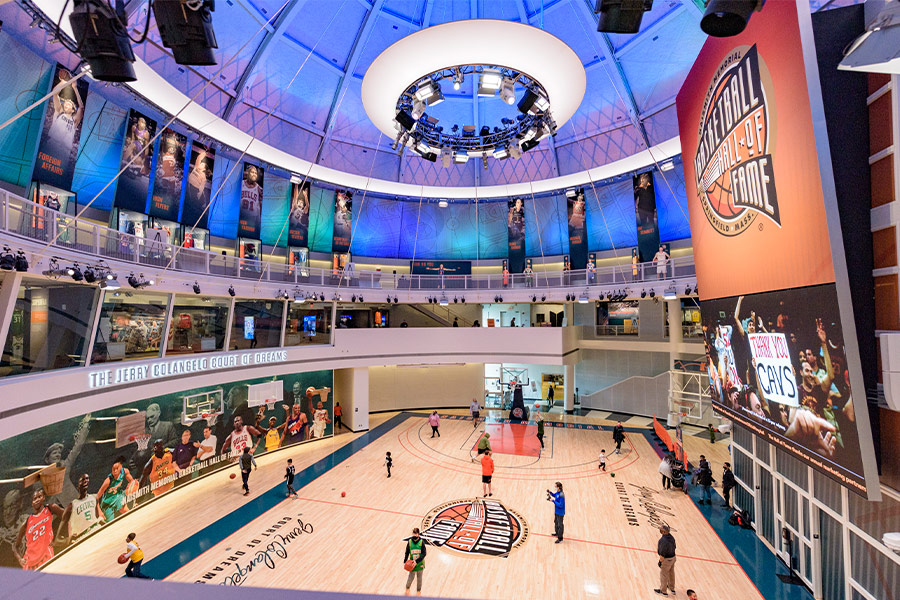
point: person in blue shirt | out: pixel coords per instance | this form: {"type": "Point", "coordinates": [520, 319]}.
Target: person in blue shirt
{"type": "Point", "coordinates": [559, 510]}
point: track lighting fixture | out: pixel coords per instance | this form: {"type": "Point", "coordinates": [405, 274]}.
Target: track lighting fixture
{"type": "Point", "coordinates": [196, 288]}
{"type": "Point", "coordinates": [231, 291]}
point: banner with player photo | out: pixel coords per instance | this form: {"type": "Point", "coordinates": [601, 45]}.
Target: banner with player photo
{"type": "Point", "coordinates": [578, 243]}
{"type": "Point", "coordinates": [198, 190]}
{"type": "Point", "coordinates": [137, 153]}
{"type": "Point", "coordinates": [343, 221]}
{"type": "Point", "coordinates": [298, 232]}
{"type": "Point", "coordinates": [645, 213]}
{"type": "Point", "coordinates": [515, 234]}
{"type": "Point", "coordinates": [777, 365]}
{"type": "Point", "coordinates": [164, 202]}
{"type": "Point", "coordinates": [58, 148]}
{"type": "Point", "coordinates": [250, 212]}
{"type": "Point", "coordinates": [119, 459]}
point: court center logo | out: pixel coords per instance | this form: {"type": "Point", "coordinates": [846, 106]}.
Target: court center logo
{"type": "Point", "coordinates": [733, 165]}
{"type": "Point", "coordinates": [475, 527]}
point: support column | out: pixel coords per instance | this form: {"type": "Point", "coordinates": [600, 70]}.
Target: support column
{"type": "Point", "coordinates": [351, 389]}
{"type": "Point", "coordinates": [569, 394]}
{"type": "Point", "coordinates": [675, 331]}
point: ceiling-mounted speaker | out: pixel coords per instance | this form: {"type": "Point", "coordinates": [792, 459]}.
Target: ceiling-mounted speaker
{"type": "Point", "coordinates": [725, 18]}
{"type": "Point", "coordinates": [621, 16]}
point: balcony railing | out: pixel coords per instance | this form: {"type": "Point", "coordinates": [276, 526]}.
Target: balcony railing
{"type": "Point", "coordinates": [21, 217]}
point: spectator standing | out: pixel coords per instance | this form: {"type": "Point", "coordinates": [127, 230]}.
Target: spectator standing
{"type": "Point", "coordinates": [705, 479]}
{"type": "Point", "coordinates": [246, 461]}
{"type": "Point", "coordinates": [559, 510]}
{"type": "Point", "coordinates": [665, 548]}
{"type": "Point", "coordinates": [665, 469]}
{"type": "Point", "coordinates": [338, 413]}
{"type": "Point", "coordinates": [487, 471]}
{"type": "Point", "coordinates": [661, 258]}
{"type": "Point", "coordinates": [618, 436]}
{"type": "Point", "coordinates": [476, 412]}
{"type": "Point", "coordinates": [456, 321]}
{"type": "Point", "coordinates": [539, 417]}
{"type": "Point", "coordinates": [728, 483]}
{"type": "Point", "coordinates": [415, 551]}
{"type": "Point", "coordinates": [712, 433]}
{"type": "Point", "coordinates": [550, 393]}
{"type": "Point", "coordinates": [513, 322]}
{"type": "Point", "coordinates": [135, 557]}
{"type": "Point", "coordinates": [435, 421]}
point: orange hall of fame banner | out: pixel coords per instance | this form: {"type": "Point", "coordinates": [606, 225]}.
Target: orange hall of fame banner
{"type": "Point", "coordinates": [754, 192]}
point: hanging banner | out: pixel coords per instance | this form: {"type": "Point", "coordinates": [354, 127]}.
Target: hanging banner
{"type": "Point", "coordinates": [645, 212]}
{"type": "Point", "coordinates": [199, 186]}
{"type": "Point", "coordinates": [58, 149]}
{"type": "Point", "coordinates": [164, 202]}
{"type": "Point", "coordinates": [515, 227]}
{"type": "Point", "coordinates": [298, 233]}
{"type": "Point", "coordinates": [134, 183]}
{"type": "Point", "coordinates": [577, 230]}
{"type": "Point", "coordinates": [251, 201]}
{"type": "Point", "coordinates": [343, 218]}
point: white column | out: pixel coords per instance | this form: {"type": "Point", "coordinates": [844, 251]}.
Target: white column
{"type": "Point", "coordinates": [351, 389]}
{"type": "Point", "coordinates": [675, 332]}
{"type": "Point", "coordinates": [569, 385]}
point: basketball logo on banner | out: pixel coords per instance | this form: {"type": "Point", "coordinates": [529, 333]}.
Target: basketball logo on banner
{"type": "Point", "coordinates": [733, 165]}
{"type": "Point", "coordinates": [475, 527]}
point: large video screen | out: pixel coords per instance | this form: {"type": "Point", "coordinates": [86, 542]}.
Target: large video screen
{"type": "Point", "coordinates": [777, 366]}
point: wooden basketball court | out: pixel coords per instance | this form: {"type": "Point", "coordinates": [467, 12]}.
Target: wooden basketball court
{"type": "Point", "coordinates": [208, 532]}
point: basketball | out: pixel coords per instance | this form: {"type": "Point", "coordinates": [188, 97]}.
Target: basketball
{"type": "Point", "coordinates": [233, 475]}
{"type": "Point", "coordinates": [612, 474]}
{"type": "Point", "coordinates": [122, 559]}
{"type": "Point", "coordinates": [343, 494]}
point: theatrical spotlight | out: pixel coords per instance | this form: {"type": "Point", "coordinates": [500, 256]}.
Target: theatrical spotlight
{"type": "Point", "coordinates": [643, 293]}
{"type": "Point", "coordinates": [282, 295]}
{"type": "Point", "coordinates": [139, 282]}
{"type": "Point", "coordinates": [353, 298]}
{"type": "Point", "coordinates": [231, 291]}
{"type": "Point", "coordinates": [725, 18]}
{"type": "Point", "coordinates": [496, 298]}
{"type": "Point", "coordinates": [455, 300]}
{"type": "Point", "coordinates": [10, 261]}
{"type": "Point", "coordinates": [622, 16]}
{"type": "Point", "coordinates": [543, 298]}
{"type": "Point", "coordinates": [321, 297]}
{"type": "Point", "coordinates": [443, 301]}
{"type": "Point", "coordinates": [687, 290]}
{"type": "Point", "coordinates": [102, 39]}
{"type": "Point", "coordinates": [196, 288]}
{"type": "Point", "coordinates": [90, 276]}
{"type": "Point", "coordinates": [463, 300]}
{"type": "Point", "coordinates": [534, 298]}
{"type": "Point", "coordinates": [75, 273]}
{"type": "Point", "coordinates": [670, 293]}
{"type": "Point", "coordinates": [508, 91]}
{"type": "Point", "coordinates": [396, 300]}
{"type": "Point", "coordinates": [53, 269]}
{"type": "Point", "coordinates": [652, 293]}
{"type": "Point", "coordinates": [110, 282]}
{"type": "Point", "coordinates": [186, 28]}
{"type": "Point", "coordinates": [533, 103]}
{"type": "Point", "coordinates": [696, 291]}
{"type": "Point", "coordinates": [388, 299]}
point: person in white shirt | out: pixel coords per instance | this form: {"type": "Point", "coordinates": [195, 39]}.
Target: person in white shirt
{"type": "Point", "coordinates": [135, 555]}
{"type": "Point", "coordinates": [207, 446]}
{"type": "Point", "coordinates": [476, 412]}
{"type": "Point", "coordinates": [661, 258]}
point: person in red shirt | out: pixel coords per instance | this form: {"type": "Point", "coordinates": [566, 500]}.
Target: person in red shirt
{"type": "Point", "coordinates": [37, 530]}
{"type": "Point", "coordinates": [338, 412]}
{"type": "Point", "coordinates": [487, 471]}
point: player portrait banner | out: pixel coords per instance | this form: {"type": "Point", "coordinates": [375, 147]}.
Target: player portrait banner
{"type": "Point", "coordinates": [250, 212]}
{"type": "Point", "coordinates": [198, 190]}
{"type": "Point", "coordinates": [140, 450]}
{"type": "Point", "coordinates": [778, 364]}
{"type": "Point", "coordinates": [298, 232]}
{"type": "Point", "coordinates": [515, 227]}
{"type": "Point", "coordinates": [645, 214]}
{"type": "Point", "coordinates": [164, 202]}
{"type": "Point", "coordinates": [343, 220]}
{"type": "Point", "coordinates": [578, 244]}
{"type": "Point", "coordinates": [137, 154]}
{"type": "Point", "coordinates": [58, 148]}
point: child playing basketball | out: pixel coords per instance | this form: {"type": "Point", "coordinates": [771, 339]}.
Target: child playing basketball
{"type": "Point", "coordinates": [602, 460]}
{"type": "Point", "coordinates": [388, 462]}
{"type": "Point", "coordinates": [289, 476]}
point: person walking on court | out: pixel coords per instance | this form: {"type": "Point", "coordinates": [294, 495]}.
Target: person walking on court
{"type": "Point", "coordinates": [618, 436]}
{"type": "Point", "coordinates": [338, 413]}
{"type": "Point", "coordinates": [712, 434]}
{"type": "Point", "coordinates": [289, 477]}
{"type": "Point", "coordinates": [705, 479]}
{"type": "Point", "coordinates": [728, 483]}
{"type": "Point", "coordinates": [540, 424]}
{"type": "Point", "coordinates": [665, 549]}
{"type": "Point", "coordinates": [415, 552]}
{"type": "Point", "coordinates": [484, 444]}
{"type": "Point", "coordinates": [435, 421]}
{"type": "Point", "coordinates": [487, 471]}
{"type": "Point", "coordinates": [246, 461]}
{"type": "Point", "coordinates": [559, 510]}
{"type": "Point", "coordinates": [550, 394]}
{"type": "Point", "coordinates": [388, 462]}
{"type": "Point", "coordinates": [475, 407]}
{"type": "Point", "coordinates": [456, 321]}
{"type": "Point", "coordinates": [135, 557]}
{"type": "Point", "coordinates": [603, 460]}
{"type": "Point", "coordinates": [665, 469]}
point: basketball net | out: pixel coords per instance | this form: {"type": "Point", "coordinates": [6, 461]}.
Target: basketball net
{"type": "Point", "coordinates": [142, 440]}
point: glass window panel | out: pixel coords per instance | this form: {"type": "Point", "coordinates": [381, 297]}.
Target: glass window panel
{"type": "Point", "coordinates": [874, 571]}
{"type": "Point", "coordinates": [308, 323]}
{"type": "Point", "coordinates": [130, 326]}
{"type": "Point", "coordinates": [790, 508]}
{"type": "Point", "coordinates": [744, 501]}
{"type": "Point", "coordinates": [766, 506]}
{"type": "Point", "coordinates": [804, 515]}
{"type": "Point", "coordinates": [827, 491]}
{"type": "Point", "coordinates": [875, 518]}
{"type": "Point", "coordinates": [743, 467]}
{"type": "Point", "coordinates": [832, 548]}
{"type": "Point", "coordinates": [257, 324]}
{"type": "Point", "coordinates": [742, 437]}
{"type": "Point", "coordinates": [792, 468]}
{"type": "Point", "coordinates": [198, 325]}
{"type": "Point", "coordinates": [762, 450]}
{"type": "Point", "coordinates": [50, 327]}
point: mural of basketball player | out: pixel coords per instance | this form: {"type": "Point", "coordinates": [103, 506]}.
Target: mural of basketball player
{"type": "Point", "coordinates": [576, 221]}
{"type": "Point", "coordinates": [160, 466]}
{"type": "Point", "coordinates": [167, 175]}
{"type": "Point", "coordinates": [68, 110]}
{"type": "Point", "coordinates": [300, 207]}
{"type": "Point", "coordinates": [111, 494]}
{"type": "Point", "coordinates": [241, 437]}
{"type": "Point", "coordinates": [12, 520]}
{"type": "Point", "coordinates": [199, 184]}
{"type": "Point", "coordinates": [158, 430]}
{"type": "Point", "coordinates": [320, 419]}
{"type": "Point", "coordinates": [135, 145]}
{"type": "Point", "coordinates": [37, 531]}
{"type": "Point", "coordinates": [296, 424]}
{"type": "Point", "coordinates": [515, 220]}
{"type": "Point", "coordinates": [54, 454]}
{"type": "Point", "coordinates": [82, 515]}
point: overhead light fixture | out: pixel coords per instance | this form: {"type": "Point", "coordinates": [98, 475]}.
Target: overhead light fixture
{"type": "Point", "coordinates": [405, 120]}
{"type": "Point", "coordinates": [443, 203]}
{"type": "Point", "coordinates": [667, 166]}
{"type": "Point", "coordinates": [571, 193]}
{"type": "Point", "coordinates": [460, 158]}
{"type": "Point", "coordinates": [501, 153]}
{"type": "Point", "coordinates": [446, 157]}
{"type": "Point", "coordinates": [670, 293]}
{"type": "Point", "coordinates": [458, 78]}
{"type": "Point", "coordinates": [444, 301]}
{"type": "Point", "coordinates": [321, 297]}
{"type": "Point", "coordinates": [533, 102]}
{"type": "Point", "coordinates": [418, 109]}
{"type": "Point", "coordinates": [583, 299]}
{"type": "Point", "coordinates": [102, 40]}
{"type": "Point", "coordinates": [186, 28]}
{"type": "Point", "coordinates": [75, 272]}
{"type": "Point", "coordinates": [515, 152]}
{"type": "Point", "coordinates": [489, 83]}
{"type": "Point", "coordinates": [643, 293]}
{"type": "Point", "coordinates": [508, 91]}
{"type": "Point", "coordinates": [425, 90]}
{"type": "Point", "coordinates": [110, 284]}
{"type": "Point", "coordinates": [231, 291]}
{"type": "Point", "coordinates": [53, 269]}
{"type": "Point", "coordinates": [90, 276]}
{"type": "Point", "coordinates": [196, 288]}
{"type": "Point", "coordinates": [726, 18]}
{"type": "Point", "coordinates": [7, 259]}
{"type": "Point", "coordinates": [455, 300]}
{"type": "Point", "coordinates": [543, 298]}
{"type": "Point", "coordinates": [395, 300]}
{"type": "Point", "coordinates": [624, 16]}
{"type": "Point", "coordinates": [139, 282]}
{"type": "Point", "coordinates": [652, 293]}
{"type": "Point", "coordinates": [687, 290]}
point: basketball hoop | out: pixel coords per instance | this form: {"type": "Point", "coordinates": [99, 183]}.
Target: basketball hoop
{"type": "Point", "coordinates": [142, 440]}
{"type": "Point", "coordinates": [211, 418]}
